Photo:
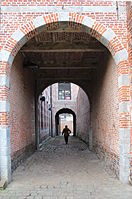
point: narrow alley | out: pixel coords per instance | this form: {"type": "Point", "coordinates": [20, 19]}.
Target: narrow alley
{"type": "Point", "coordinates": [60, 171]}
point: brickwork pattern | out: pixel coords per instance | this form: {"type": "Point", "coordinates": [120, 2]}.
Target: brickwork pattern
{"type": "Point", "coordinates": [22, 121]}
{"type": "Point", "coordinates": [70, 172]}
{"type": "Point", "coordinates": [104, 116]}
{"type": "Point", "coordinates": [129, 23]}
{"type": "Point", "coordinates": [19, 25]}
{"type": "Point", "coordinates": [83, 116]}
{"type": "Point", "coordinates": [62, 104]}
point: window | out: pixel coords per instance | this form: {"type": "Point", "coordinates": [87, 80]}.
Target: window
{"type": "Point", "coordinates": [64, 91]}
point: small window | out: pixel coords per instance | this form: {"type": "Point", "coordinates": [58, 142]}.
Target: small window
{"type": "Point", "coordinates": [64, 91]}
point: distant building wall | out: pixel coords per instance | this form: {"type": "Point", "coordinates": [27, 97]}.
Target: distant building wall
{"type": "Point", "coordinates": [83, 116]}
{"type": "Point", "coordinates": [44, 107]}
{"type": "Point", "coordinates": [60, 104]}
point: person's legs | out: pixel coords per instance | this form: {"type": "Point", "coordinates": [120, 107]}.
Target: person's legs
{"type": "Point", "coordinates": [66, 139]}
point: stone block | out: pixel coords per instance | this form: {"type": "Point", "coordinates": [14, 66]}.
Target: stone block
{"type": "Point", "coordinates": [123, 80]}
{"type": "Point", "coordinates": [3, 184]}
{"type": "Point", "coordinates": [121, 55]}
{"type": "Point", "coordinates": [107, 36]}
{"type": "Point", "coordinates": [124, 107]}
{"type": "Point", "coordinates": [4, 80]}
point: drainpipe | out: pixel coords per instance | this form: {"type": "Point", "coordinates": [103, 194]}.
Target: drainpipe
{"type": "Point", "coordinates": [117, 10]}
{"type": "Point", "coordinates": [51, 111]}
{"type": "Point", "coordinates": [36, 119]}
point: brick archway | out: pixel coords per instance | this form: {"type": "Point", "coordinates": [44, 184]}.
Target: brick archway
{"type": "Point", "coordinates": [103, 34]}
{"type": "Point", "coordinates": [66, 110]}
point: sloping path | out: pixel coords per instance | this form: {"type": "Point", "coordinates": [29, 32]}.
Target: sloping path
{"type": "Point", "coordinates": [62, 171]}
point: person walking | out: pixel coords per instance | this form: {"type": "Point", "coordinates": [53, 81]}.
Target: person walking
{"type": "Point", "coordinates": [66, 131]}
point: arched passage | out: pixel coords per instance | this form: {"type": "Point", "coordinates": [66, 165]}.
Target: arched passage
{"type": "Point", "coordinates": [66, 110]}
{"type": "Point", "coordinates": [108, 38]}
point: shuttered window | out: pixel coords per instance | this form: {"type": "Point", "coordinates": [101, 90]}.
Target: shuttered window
{"type": "Point", "coordinates": [64, 91]}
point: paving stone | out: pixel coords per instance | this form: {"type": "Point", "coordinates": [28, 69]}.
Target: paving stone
{"type": "Point", "coordinates": [62, 171]}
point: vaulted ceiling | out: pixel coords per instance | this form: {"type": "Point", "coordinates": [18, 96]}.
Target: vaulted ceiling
{"type": "Point", "coordinates": [64, 56]}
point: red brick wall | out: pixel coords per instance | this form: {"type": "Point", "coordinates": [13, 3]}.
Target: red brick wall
{"type": "Point", "coordinates": [129, 21]}
{"type": "Point", "coordinates": [21, 95]}
{"type": "Point", "coordinates": [115, 19]}
{"type": "Point", "coordinates": [112, 19]}
{"type": "Point", "coordinates": [83, 116]}
{"type": "Point", "coordinates": [104, 114]}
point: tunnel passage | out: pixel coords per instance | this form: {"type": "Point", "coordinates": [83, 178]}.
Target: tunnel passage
{"type": "Point", "coordinates": [69, 111]}
{"type": "Point", "coordinates": [65, 55]}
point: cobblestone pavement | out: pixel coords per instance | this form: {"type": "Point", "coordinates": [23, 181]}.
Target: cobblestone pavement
{"type": "Point", "coordinates": [62, 171]}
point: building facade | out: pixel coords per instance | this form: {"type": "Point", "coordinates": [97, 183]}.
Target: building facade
{"type": "Point", "coordinates": [105, 27]}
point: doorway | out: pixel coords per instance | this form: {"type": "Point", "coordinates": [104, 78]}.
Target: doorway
{"type": "Point", "coordinates": [64, 117]}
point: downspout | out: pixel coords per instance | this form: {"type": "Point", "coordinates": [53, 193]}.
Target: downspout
{"type": "Point", "coordinates": [51, 111]}
{"type": "Point", "coordinates": [36, 118]}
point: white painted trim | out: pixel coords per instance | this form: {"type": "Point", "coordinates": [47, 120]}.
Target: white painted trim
{"type": "Point", "coordinates": [78, 9]}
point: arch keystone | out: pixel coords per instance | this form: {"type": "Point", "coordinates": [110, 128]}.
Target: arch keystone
{"type": "Point", "coordinates": [64, 16]}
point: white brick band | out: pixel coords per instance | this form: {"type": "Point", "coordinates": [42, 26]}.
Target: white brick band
{"type": "Point", "coordinates": [5, 154]}
{"type": "Point", "coordinates": [4, 106]}
{"type": "Point", "coordinates": [39, 21]}
{"type": "Point", "coordinates": [54, 8]}
{"type": "Point", "coordinates": [123, 80]}
{"type": "Point", "coordinates": [88, 22]}
{"type": "Point", "coordinates": [18, 35]}
{"type": "Point", "coordinates": [120, 56]}
{"type": "Point", "coordinates": [107, 36]}
{"type": "Point", "coordinates": [6, 56]}
{"type": "Point", "coordinates": [124, 107]}
{"type": "Point", "coordinates": [4, 80]}
{"type": "Point", "coordinates": [63, 16]}
{"type": "Point", "coordinates": [124, 143]}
